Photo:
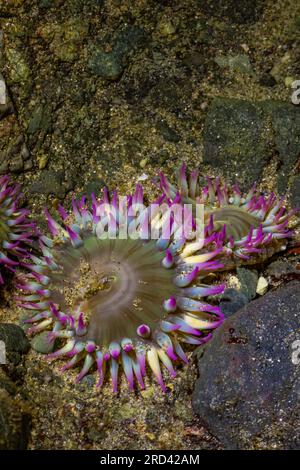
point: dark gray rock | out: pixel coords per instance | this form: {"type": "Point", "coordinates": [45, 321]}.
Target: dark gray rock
{"type": "Point", "coordinates": [110, 65]}
{"type": "Point", "coordinates": [248, 390]}
{"type": "Point", "coordinates": [232, 126]}
{"type": "Point", "coordinates": [232, 300]}
{"type": "Point", "coordinates": [248, 279]}
{"type": "Point", "coordinates": [244, 11]}
{"type": "Point", "coordinates": [285, 120]}
{"type": "Point", "coordinates": [281, 268]}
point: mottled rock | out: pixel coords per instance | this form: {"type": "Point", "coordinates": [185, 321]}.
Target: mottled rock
{"type": "Point", "coordinates": [233, 125]}
{"type": "Point", "coordinates": [14, 424]}
{"type": "Point", "coordinates": [281, 268]}
{"type": "Point", "coordinates": [40, 119]}
{"type": "Point", "coordinates": [16, 343]}
{"type": "Point", "coordinates": [110, 65]}
{"type": "Point", "coordinates": [295, 191]}
{"type": "Point", "coordinates": [7, 384]}
{"type": "Point", "coordinates": [167, 132]}
{"type": "Point", "coordinates": [49, 182]}
{"type": "Point", "coordinates": [244, 11]}
{"type": "Point", "coordinates": [248, 390]}
{"type": "Point", "coordinates": [248, 280]}
{"type": "Point", "coordinates": [230, 129]}
{"type": "Point", "coordinates": [237, 63]}
{"type": "Point", "coordinates": [231, 301]}
{"type": "Point", "coordinates": [3, 96]}
{"type": "Point", "coordinates": [285, 120]}
{"type": "Point", "coordinates": [18, 68]}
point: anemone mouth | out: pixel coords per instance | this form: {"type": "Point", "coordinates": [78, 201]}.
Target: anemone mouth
{"type": "Point", "coordinates": [244, 223]}
{"type": "Point", "coordinates": [117, 284]}
{"type": "Point", "coordinates": [237, 221]}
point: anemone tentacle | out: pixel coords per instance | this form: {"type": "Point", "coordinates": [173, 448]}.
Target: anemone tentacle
{"type": "Point", "coordinates": [244, 224]}
{"type": "Point", "coordinates": [116, 303]}
{"type": "Point", "coordinates": [15, 229]}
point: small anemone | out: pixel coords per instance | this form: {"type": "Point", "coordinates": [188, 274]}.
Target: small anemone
{"type": "Point", "coordinates": [15, 230]}
{"type": "Point", "coordinates": [122, 303]}
{"type": "Point", "coordinates": [246, 224]}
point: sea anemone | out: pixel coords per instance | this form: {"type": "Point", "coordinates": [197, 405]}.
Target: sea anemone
{"type": "Point", "coordinates": [120, 303]}
{"type": "Point", "coordinates": [15, 230]}
{"type": "Point", "coordinates": [248, 225]}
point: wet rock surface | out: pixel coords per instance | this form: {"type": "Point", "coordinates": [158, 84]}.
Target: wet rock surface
{"type": "Point", "coordinates": [232, 126]}
{"type": "Point", "coordinates": [14, 424]}
{"type": "Point", "coordinates": [231, 301]}
{"type": "Point", "coordinates": [248, 386]}
{"type": "Point", "coordinates": [15, 419]}
{"type": "Point", "coordinates": [103, 92]}
{"type": "Point", "coordinates": [16, 342]}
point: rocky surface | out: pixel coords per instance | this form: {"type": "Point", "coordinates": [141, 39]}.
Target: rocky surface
{"type": "Point", "coordinates": [248, 387]}
{"type": "Point", "coordinates": [105, 92]}
{"type": "Point", "coordinates": [15, 418]}
{"type": "Point", "coordinates": [232, 126]}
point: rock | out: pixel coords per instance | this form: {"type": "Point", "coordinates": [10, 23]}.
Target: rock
{"type": "Point", "coordinates": [166, 27]}
{"type": "Point", "coordinates": [237, 63]}
{"type": "Point", "coordinates": [107, 65]}
{"type": "Point", "coordinates": [17, 155]}
{"type": "Point", "coordinates": [49, 182]}
{"type": "Point", "coordinates": [3, 97]}
{"type": "Point", "coordinates": [267, 80]}
{"type": "Point", "coordinates": [262, 286]}
{"type": "Point", "coordinates": [285, 120]}
{"type": "Point", "coordinates": [7, 384]}
{"type": "Point", "coordinates": [16, 343]}
{"type": "Point", "coordinates": [244, 11]}
{"type": "Point", "coordinates": [18, 68]}
{"type": "Point", "coordinates": [167, 132]}
{"type": "Point", "coordinates": [40, 119]}
{"type": "Point", "coordinates": [14, 424]}
{"type": "Point", "coordinates": [232, 300]}
{"type": "Point", "coordinates": [231, 127]}
{"type": "Point", "coordinates": [41, 344]}
{"type": "Point", "coordinates": [280, 268]}
{"type": "Point", "coordinates": [248, 280]}
{"type": "Point", "coordinates": [248, 390]}
{"type": "Point", "coordinates": [110, 65]}
{"type": "Point", "coordinates": [295, 191]}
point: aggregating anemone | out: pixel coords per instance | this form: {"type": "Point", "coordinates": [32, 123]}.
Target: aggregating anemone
{"type": "Point", "coordinates": [122, 300]}
{"type": "Point", "coordinates": [15, 229]}
{"type": "Point", "coordinates": [120, 303]}
{"type": "Point", "coordinates": [251, 226]}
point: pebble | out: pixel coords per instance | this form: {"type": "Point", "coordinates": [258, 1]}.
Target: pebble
{"type": "Point", "coordinates": [262, 286]}
{"type": "Point", "coordinates": [3, 98]}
